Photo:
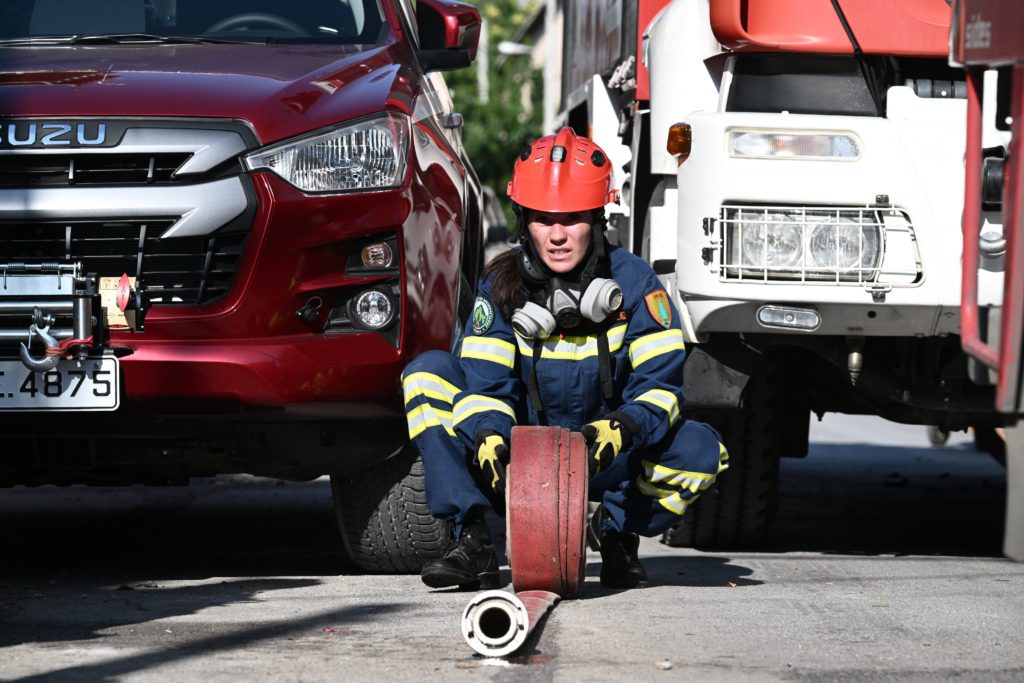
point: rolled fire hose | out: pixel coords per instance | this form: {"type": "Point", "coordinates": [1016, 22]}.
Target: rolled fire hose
{"type": "Point", "coordinates": [546, 539]}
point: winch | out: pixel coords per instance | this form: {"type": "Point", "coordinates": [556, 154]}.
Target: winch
{"type": "Point", "coordinates": [49, 307]}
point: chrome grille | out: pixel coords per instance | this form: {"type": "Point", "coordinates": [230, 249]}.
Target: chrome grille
{"type": "Point", "coordinates": [55, 170]}
{"type": "Point", "coordinates": [179, 271]}
{"type": "Point", "coordinates": [827, 245]}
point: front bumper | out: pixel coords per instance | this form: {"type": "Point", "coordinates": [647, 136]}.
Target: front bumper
{"type": "Point", "coordinates": [252, 349]}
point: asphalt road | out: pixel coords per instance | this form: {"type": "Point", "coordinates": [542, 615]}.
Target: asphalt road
{"type": "Point", "coordinates": [883, 565]}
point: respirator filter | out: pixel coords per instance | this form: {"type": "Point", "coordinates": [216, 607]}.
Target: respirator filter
{"type": "Point", "coordinates": [602, 298]}
{"type": "Point", "coordinates": [533, 321]}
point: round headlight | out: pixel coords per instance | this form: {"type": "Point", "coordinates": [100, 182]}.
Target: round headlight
{"type": "Point", "coordinates": [774, 240]}
{"type": "Point", "coordinates": [372, 310]}
{"type": "Point", "coordinates": [844, 243]}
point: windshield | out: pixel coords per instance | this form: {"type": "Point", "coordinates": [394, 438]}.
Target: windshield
{"type": "Point", "coordinates": [291, 21]}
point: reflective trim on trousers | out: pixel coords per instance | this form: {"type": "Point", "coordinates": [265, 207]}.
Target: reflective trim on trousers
{"type": "Point", "coordinates": [670, 500]}
{"type": "Point", "coordinates": [694, 482]}
{"type": "Point", "coordinates": [429, 385]}
{"type": "Point", "coordinates": [426, 416]}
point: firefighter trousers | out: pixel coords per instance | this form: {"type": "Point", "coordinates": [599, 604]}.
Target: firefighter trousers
{"type": "Point", "coordinates": [645, 491]}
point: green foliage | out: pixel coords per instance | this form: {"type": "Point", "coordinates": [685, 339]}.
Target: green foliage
{"type": "Point", "coordinates": [495, 130]}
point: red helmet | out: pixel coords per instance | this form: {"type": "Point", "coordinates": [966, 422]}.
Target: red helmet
{"type": "Point", "coordinates": [562, 173]}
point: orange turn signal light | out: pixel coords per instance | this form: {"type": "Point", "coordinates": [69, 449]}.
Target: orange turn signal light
{"type": "Point", "coordinates": [680, 140]}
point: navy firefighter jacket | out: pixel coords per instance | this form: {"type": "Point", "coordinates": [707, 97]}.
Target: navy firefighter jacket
{"type": "Point", "coordinates": [646, 348]}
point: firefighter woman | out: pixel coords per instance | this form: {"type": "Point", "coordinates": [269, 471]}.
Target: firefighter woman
{"type": "Point", "coordinates": [566, 331]}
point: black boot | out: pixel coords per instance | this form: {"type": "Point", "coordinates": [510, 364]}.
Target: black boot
{"type": "Point", "coordinates": [471, 563]}
{"type": "Point", "coordinates": [620, 563]}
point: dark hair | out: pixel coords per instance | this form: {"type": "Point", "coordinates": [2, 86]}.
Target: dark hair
{"type": "Point", "coordinates": [508, 289]}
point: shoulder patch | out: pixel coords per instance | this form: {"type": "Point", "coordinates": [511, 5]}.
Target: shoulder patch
{"type": "Point", "coordinates": [483, 315]}
{"type": "Point", "coordinates": [659, 308]}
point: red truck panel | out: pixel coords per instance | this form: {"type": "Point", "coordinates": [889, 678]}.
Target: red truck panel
{"type": "Point", "coordinates": [988, 32]}
{"type": "Point", "coordinates": [646, 12]}
{"type": "Point", "coordinates": [911, 28]}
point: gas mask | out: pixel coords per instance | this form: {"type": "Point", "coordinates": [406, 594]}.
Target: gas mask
{"type": "Point", "coordinates": [565, 307]}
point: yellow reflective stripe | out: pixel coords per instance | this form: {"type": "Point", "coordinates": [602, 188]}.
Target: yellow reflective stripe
{"type": "Point", "coordinates": [651, 345]}
{"type": "Point", "coordinates": [475, 403]}
{"type": "Point", "coordinates": [573, 348]}
{"type": "Point", "coordinates": [669, 500]}
{"type": "Point", "coordinates": [429, 385]}
{"type": "Point", "coordinates": [490, 349]}
{"type": "Point", "coordinates": [426, 416]}
{"type": "Point", "coordinates": [676, 504]}
{"type": "Point", "coordinates": [693, 482]}
{"type": "Point", "coordinates": [723, 459]}
{"type": "Point", "coordinates": [665, 400]}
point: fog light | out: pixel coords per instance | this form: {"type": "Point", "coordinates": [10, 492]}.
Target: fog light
{"type": "Point", "coordinates": [372, 310]}
{"type": "Point", "coordinates": [789, 318]}
{"type": "Point", "coordinates": [377, 255]}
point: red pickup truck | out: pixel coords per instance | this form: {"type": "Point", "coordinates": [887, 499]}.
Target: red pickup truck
{"type": "Point", "coordinates": [226, 227]}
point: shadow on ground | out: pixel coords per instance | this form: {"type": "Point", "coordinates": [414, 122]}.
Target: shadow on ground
{"type": "Point", "coordinates": [234, 639]}
{"type": "Point", "coordinates": [857, 499]}
{"type": "Point", "coordinates": [82, 610]}
{"type": "Point", "coordinates": [848, 499]}
{"type": "Point", "coordinates": [227, 527]}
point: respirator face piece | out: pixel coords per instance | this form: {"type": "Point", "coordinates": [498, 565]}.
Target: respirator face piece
{"type": "Point", "coordinates": [564, 307]}
{"type": "Point", "coordinates": [563, 301]}
{"type": "Point", "coordinates": [533, 321]}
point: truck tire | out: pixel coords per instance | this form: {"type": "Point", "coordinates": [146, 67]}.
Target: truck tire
{"type": "Point", "coordinates": [738, 509]}
{"type": "Point", "coordinates": [383, 516]}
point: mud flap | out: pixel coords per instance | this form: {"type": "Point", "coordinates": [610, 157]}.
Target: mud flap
{"type": "Point", "coordinates": [1013, 538]}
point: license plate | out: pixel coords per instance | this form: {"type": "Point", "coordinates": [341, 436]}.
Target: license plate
{"type": "Point", "coordinates": [92, 385]}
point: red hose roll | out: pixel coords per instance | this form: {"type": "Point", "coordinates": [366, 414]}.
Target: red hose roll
{"type": "Point", "coordinates": [547, 509]}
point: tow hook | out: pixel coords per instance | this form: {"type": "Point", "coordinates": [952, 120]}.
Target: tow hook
{"type": "Point", "coordinates": [50, 360]}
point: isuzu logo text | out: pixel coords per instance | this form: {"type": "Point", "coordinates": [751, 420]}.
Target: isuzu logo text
{"type": "Point", "coordinates": [52, 134]}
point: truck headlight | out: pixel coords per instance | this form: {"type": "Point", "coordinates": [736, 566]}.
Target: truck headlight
{"type": "Point", "coordinates": [367, 155]}
{"type": "Point", "coordinates": [844, 243]}
{"type": "Point", "coordinates": [796, 243]}
{"type": "Point", "coordinates": [760, 239]}
{"type": "Point", "coordinates": [781, 144]}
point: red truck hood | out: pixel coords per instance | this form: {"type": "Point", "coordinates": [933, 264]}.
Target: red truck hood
{"type": "Point", "coordinates": [282, 90]}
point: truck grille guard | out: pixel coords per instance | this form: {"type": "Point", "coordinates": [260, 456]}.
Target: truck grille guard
{"type": "Point", "coordinates": [870, 247]}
